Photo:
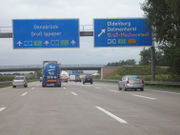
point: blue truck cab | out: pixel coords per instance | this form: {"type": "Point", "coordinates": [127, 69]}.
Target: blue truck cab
{"type": "Point", "coordinates": [51, 75]}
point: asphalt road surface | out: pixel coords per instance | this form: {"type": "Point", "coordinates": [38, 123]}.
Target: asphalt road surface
{"type": "Point", "coordinates": [98, 109]}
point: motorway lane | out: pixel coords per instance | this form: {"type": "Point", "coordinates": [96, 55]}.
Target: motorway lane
{"type": "Point", "coordinates": [87, 109]}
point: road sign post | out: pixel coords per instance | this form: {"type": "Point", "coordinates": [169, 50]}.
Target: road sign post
{"type": "Point", "coordinates": [62, 33]}
{"type": "Point", "coordinates": [121, 33]}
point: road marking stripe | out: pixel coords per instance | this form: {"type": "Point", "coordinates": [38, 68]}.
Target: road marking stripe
{"type": "Point", "coordinates": [111, 115]}
{"type": "Point", "coordinates": [25, 93]}
{"type": "Point", "coordinates": [33, 88]}
{"type": "Point", "coordinates": [75, 94]}
{"type": "Point", "coordinates": [97, 87]}
{"type": "Point", "coordinates": [115, 91]}
{"type": "Point", "coordinates": [144, 97]}
{"type": "Point", "coordinates": [166, 92]}
{"type": "Point", "coordinates": [2, 109]}
{"type": "Point", "coordinates": [64, 88]}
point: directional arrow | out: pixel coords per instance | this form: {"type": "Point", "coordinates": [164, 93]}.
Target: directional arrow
{"type": "Point", "coordinates": [102, 31]}
{"type": "Point", "coordinates": [46, 42]}
{"type": "Point", "coordinates": [73, 42]}
{"type": "Point", "coordinates": [19, 43]}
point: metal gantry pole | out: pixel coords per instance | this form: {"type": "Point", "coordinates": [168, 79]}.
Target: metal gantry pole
{"type": "Point", "coordinates": [153, 62]}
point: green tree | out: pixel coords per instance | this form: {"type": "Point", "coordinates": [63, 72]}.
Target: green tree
{"type": "Point", "coordinates": [161, 59]}
{"type": "Point", "coordinates": [122, 62]}
{"type": "Point", "coordinates": [164, 17]}
{"type": "Point", "coordinates": [145, 57]}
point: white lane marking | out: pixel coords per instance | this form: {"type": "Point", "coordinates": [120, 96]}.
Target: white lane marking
{"type": "Point", "coordinates": [33, 88]}
{"type": "Point", "coordinates": [25, 93]}
{"type": "Point", "coordinates": [2, 109]}
{"type": "Point", "coordinates": [111, 115]}
{"type": "Point", "coordinates": [64, 88]}
{"type": "Point", "coordinates": [75, 94]}
{"type": "Point", "coordinates": [115, 91]}
{"type": "Point", "coordinates": [97, 87]}
{"type": "Point", "coordinates": [144, 97]}
{"type": "Point", "coordinates": [166, 92]}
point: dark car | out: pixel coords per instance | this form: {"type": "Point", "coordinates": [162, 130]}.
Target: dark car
{"type": "Point", "coordinates": [88, 79]}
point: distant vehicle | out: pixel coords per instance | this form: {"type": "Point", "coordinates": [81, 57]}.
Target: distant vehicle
{"type": "Point", "coordinates": [131, 82]}
{"type": "Point", "coordinates": [88, 79]}
{"type": "Point", "coordinates": [40, 79]}
{"type": "Point", "coordinates": [77, 79]}
{"type": "Point", "coordinates": [19, 81]}
{"type": "Point", "coordinates": [64, 76]}
{"type": "Point", "coordinates": [51, 74]}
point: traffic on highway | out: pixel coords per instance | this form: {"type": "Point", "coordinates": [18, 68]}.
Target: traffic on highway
{"type": "Point", "coordinates": [98, 67]}
{"type": "Point", "coordinates": [78, 109]}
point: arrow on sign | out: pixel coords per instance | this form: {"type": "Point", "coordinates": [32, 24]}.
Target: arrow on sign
{"type": "Point", "coordinates": [102, 31]}
{"type": "Point", "coordinates": [19, 43]}
{"type": "Point", "coordinates": [46, 42]}
{"type": "Point", "coordinates": [73, 42]}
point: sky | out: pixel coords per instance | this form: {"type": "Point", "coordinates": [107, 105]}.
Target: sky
{"type": "Point", "coordinates": [86, 11]}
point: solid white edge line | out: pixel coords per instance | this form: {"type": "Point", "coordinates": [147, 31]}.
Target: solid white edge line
{"type": "Point", "coordinates": [144, 97]}
{"type": "Point", "coordinates": [2, 108]}
{"type": "Point", "coordinates": [75, 94]}
{"type": "Point", "coordinates": [25, 93]}
{"type": "Point", "coordinates": [166, 92]}
{"type": "Point", "coordinates": [111, 115]}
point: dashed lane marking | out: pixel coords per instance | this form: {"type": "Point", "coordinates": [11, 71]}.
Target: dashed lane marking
{"type": "Point", "coordinates": [25, 93]}
{"type": "Point", "coordinates": [144, 97]}
{"type": "Point", "coordinates": [75, 94]}
{"type": "Point", "coordinates": [111, 115]}
{"type": "Point", "coordinates": [2, 109]}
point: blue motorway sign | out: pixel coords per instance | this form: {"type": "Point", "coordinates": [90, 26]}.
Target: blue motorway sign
{"type": "Point", "coordinates": [121, 32]}
{"type": "Point", "coordinates": [46, 33]}
{"type": "Point", "coordinates": [75, 72]}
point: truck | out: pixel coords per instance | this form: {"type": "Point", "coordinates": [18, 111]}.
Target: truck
{"type": "Point", "coordinates": [51, 74]}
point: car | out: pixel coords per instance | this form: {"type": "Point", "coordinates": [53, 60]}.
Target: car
{"type": "Point", "coordinates": [88, 79]}
{"type": "Point", "coordinates": [19, 81]}
{"type": "Point", "coordinates": [131, 82]}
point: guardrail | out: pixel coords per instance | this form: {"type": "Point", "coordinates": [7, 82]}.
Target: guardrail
{"type": "Point", "coordinates": [152, 82]}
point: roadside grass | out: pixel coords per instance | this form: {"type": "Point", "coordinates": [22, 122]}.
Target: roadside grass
{"type": "Point", "coordinates": [162, 73]}
{"type": "Point", "coordinates": [5, 85]}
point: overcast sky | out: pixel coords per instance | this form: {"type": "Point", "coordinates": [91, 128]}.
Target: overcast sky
{"type": "Point", "coordinates": [86, 11]}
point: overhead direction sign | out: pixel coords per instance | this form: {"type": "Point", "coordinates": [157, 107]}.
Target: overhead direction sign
{"type": "Point", "coordinates": [63, 33]}
{"type": "Point", "coordinates": [121, 33]}
{"type": "Point", "coordinates": [74, 72]}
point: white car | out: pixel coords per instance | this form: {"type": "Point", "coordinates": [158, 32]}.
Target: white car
{"type": "Point", "coordinates": [19, 81]}
{"type": "Point", "coordinates": [131, 82]}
